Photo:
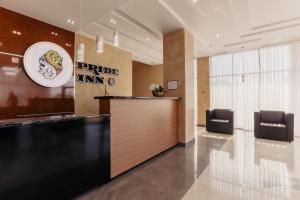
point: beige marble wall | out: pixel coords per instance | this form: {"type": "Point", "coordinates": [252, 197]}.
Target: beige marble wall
{"type": "Point", "coordinates": [189, 87]}
{"type": "Point", "coordinates": [178, 65]}
{"type": "Point", "coordinates": [112, 57]}
{"type": "Point", "coordinates": [203, 90]}
{"type": "Point", "coordinates": [143, 76]}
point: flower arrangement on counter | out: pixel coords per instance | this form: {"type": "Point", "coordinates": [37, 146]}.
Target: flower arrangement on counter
{"type": "Point", "coordinates": [157, 90]}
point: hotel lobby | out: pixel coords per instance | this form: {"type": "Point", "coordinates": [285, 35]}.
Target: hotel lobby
{"type": "Point", "coordinates": [150, 100]}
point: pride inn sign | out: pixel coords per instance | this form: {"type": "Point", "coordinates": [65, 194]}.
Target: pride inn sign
{"type": "Point", "coordinates": [97, 71]}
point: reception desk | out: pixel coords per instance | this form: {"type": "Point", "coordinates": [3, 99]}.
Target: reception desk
{"type": "Point", "coordinates": [140, 128]}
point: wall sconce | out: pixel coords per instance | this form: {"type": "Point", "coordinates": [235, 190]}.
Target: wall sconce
{"type": "Point", "coordinates": [99, 44]}
{"type": "Point", "coordinates": [116, 38]}
{"type": "Point", "coordinates": [80, 52]}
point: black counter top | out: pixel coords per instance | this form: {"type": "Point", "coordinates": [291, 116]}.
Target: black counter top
{"type": "Point", "coordinates": [46, 119]}
{"type": "Point", "coordinates": [130, 97]}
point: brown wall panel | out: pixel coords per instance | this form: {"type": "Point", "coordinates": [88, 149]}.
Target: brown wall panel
{"type": "Point", "coordinates": [113, 57]}
{"type": "Point", "coordinates": [203, 90]}
{"type": "Point", "coordinates": [19, 95]}
{"type": "Point", "coordinates": [32, 31]}
{"type": "Point", "coordinates": [178, 65]}
{"type": "Point", "coordinates": [143, 76]}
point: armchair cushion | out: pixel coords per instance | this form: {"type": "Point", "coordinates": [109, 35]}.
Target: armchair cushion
{"type": "Point", "coordinates": [272, 124]}
{"type": "Point", "coordinates": [272, 117]}
{"type": "Point", "coordinates": [220, 120]}
{"type": "Point", "coordinates": [222, 114]}
{"type": "Point", "coordinates": [273, 132]}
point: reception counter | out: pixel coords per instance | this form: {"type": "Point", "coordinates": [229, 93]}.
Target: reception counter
{"type": "Point", "coordinates": [140, 128]}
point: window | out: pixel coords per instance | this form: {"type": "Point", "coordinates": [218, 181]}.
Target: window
{"type": "Point", "coordinates": [252, 80]}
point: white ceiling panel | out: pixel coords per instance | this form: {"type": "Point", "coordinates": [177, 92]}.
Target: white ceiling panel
{"type": "Point", "coordinates": [151, 14]}
{"type": "Point", "coordinates": [133, 31]}
{"type": "Point", "coordinates": [218, 26]}
{"type": "Point", "coordinates": [139, 50]}
{"type": "Point", "coordinates": [266, 12]}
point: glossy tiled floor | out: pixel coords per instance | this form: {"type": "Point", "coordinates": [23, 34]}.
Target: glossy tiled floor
{"type": "Point", "coordinates": [217, 167]}
{"type": "Point", "coordinates": [249, 168]}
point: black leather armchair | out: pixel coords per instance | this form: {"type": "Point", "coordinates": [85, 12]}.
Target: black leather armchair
{"type": "Point", "coordinates": [274, 125]}
{"type": "Point", "coordinates": [220, 121]}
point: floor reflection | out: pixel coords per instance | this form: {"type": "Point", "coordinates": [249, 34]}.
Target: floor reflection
{"type": "Point", "coordinates": [249, 168]}
{"type": "Point", "coordinates": [217, 167]}
{"type": "Point", "coordinates": [166, 177]}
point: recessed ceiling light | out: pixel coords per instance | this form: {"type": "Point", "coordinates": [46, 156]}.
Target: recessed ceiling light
{"type": "Point", "coordinates": [218, 35]}
{"type": "Point", "coordinates": [113, 21]}
{"type": "Point", "coordinates": [147, 39]}
{"type": "Point", "coordinates": [195, 1]}
{"type": "Point", "coordinates": [71, 22]}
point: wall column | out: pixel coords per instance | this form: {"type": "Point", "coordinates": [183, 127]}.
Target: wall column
{"type": "Point", "coordinates": [179, 65]}
{"type": "Point", "coordinates": [203, 90]}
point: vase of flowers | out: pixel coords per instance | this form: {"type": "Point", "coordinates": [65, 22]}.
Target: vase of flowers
{"type": "Point", "coordinates": [157, 90]}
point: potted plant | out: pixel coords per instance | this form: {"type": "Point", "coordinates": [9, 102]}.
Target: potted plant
{"type": "Point", "coordinates": [157, 90]}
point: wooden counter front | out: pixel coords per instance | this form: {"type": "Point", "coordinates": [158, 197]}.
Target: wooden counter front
{"type": "Point", "coordinates": [140, 129]}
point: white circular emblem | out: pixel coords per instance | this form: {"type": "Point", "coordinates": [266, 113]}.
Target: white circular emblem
{"type": "Point", "coordinates": [48, 64]}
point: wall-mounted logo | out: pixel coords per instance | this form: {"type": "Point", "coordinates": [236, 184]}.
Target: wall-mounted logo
{"type": "Point", "coordinates": [97, 71]}
{"type": "Point", "coordinates": [48, 64]}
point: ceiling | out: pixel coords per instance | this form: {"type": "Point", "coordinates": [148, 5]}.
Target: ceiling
{"type": "Point", "coordinates": [218, 26]}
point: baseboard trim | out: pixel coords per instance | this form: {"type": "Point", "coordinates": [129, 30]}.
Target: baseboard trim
{"type": "Point", "coordinates": [188, 144]}
{"type": "Point", "coordinates": [201, 125]}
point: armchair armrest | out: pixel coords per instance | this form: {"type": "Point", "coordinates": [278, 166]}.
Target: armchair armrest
{"type": "Point", "coordinates": [209, 116]}
{"type": "Point", "coordinates": [231, 120]}
{"type": "Point", "coordinates": [231, 116]}
{"type": "Point", "coordinates": [289, 122]}
{"type": "Point", "coordinates": [257, 124]}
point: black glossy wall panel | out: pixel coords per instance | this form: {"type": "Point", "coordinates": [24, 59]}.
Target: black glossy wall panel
{"type": "Point", "coordinates": [54, 160]}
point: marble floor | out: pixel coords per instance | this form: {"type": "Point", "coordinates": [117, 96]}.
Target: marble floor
{"type": "Point", "coordinates": [217, 167]}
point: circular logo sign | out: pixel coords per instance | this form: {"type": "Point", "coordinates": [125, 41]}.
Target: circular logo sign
{"type": "Point", "coordinates": [48, 64]}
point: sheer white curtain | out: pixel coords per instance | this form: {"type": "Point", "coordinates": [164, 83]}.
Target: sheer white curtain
{"type": "Point", "coordinates": [245, 88]}
{"type": "Point", "coordinates": [294, 91]}
{"type": "Point", "coordinates": [221, 80]}
{"type": "Point", "coordinates": [234, 85]}
{"type": "Point", "coordinates": [280, 80]}
{"type": "Point", "coordinates": [275, 76]}
{"type": "Point", "coordinates": [264, 79]}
